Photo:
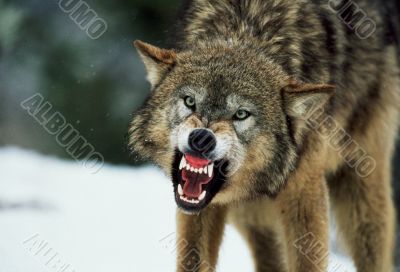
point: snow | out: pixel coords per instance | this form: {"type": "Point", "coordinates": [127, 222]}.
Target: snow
{"type": "Point", "coordinates": [57, 216]}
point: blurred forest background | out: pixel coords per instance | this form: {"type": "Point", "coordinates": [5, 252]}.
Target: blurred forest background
{"type": "Point", "coordinates": [95, 84]}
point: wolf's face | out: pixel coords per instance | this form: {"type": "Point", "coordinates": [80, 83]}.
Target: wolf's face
{"type": "Point", "coordinates": [224, 124]}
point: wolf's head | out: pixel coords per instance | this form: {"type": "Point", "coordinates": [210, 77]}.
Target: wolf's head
{"type": "Point", "coordinates": [225, 124]}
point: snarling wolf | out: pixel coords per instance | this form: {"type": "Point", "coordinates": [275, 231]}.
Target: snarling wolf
{"type": "Point", "coordinates": [269, 114]}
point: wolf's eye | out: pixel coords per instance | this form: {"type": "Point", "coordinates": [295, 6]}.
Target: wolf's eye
{"type": "Point", "coordinates": [241, 115]}
{"type": "Point", "coordinates": [189, 102]}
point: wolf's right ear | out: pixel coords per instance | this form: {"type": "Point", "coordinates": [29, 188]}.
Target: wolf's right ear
{"type": "Point", "coordinates": [157, 61]}
{"type": "Point", "coordinates": [303, 98]}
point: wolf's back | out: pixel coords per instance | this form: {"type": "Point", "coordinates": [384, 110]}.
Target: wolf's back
{"type": "Point", "coordinates": [397, 23]}
{"type": "Point", "coordinates": [392, 14]}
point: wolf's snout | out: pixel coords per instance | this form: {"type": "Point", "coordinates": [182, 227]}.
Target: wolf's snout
{"type": "Point", "coordinates": [202, 141]}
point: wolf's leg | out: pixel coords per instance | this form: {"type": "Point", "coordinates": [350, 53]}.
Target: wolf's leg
{"type": "Point", "coordinates": [303, 206]}
{"type": "Point", "coordinates": [258, 223]}
{"type": "Point", "coordinates": [365, 216]}
{"type": "Point", "coordinates": [199, 238]}
{"type": "Point", "coordinates": [265, 248]}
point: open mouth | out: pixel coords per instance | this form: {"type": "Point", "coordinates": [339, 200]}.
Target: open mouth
{"type": "Point", "coordinates": [196, 180]}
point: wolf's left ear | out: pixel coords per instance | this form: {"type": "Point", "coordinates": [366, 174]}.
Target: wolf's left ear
{"type": "Point", "coordinates": [302, 99]}
{"type": "Point", "coordinates": [157, 61]}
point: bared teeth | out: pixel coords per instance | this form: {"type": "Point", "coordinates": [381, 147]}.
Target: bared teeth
{"type": "Point", "coordinates": [180, 190]}
{"type": "Point", "coordinates": [183, 163]}
{"type": "Point", "coordinates": [193, 201]}
{"type": "Point", "coordinates": [203, 195]}
{"type": "Point", "coordinates": [206, 170]}
{"type": "Point", "coordinates": [210, 169]}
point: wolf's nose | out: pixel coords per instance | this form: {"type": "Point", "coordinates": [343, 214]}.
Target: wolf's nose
{"type": "Point", "coordinates": [202, 140]}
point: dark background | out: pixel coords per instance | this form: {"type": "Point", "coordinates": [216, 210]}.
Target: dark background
{"type": "Point", "coordinates": [95, 84]}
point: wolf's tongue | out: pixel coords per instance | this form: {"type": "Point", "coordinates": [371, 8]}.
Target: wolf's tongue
{"type": "Point", "coordinates": [193, 183]}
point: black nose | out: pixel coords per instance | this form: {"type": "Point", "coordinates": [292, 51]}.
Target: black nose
{"type": "Point", "coordinates": [202, 141]}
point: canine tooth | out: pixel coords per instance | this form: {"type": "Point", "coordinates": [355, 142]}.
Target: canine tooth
{"type": "Point", "coordinates": [210, 170]}
{"type": "Point", "coordinates": [180, 190]}
{"type": "Point", "coordinates": [203, 195]}
{"type": "Point", "coordinates": [201, 170]}
{"type": "Point", "coordinates": [205, 170]}
{"type": "Point", "coordinates": [183, 163]}
{"type": "Point", "coordinates": [187, 166]}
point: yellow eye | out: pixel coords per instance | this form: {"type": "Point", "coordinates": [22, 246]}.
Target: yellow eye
{"type": "Point", "coordinates": [241, 115]}
{"type": "Point", "coordinates": [189, 102]}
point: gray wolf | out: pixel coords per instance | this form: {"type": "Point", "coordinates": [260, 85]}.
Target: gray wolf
{"type": "Point", "coordinates": [268, 114]}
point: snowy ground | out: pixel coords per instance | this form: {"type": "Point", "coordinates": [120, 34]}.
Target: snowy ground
{"type": "Point", "coordinates": [55, 216]}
